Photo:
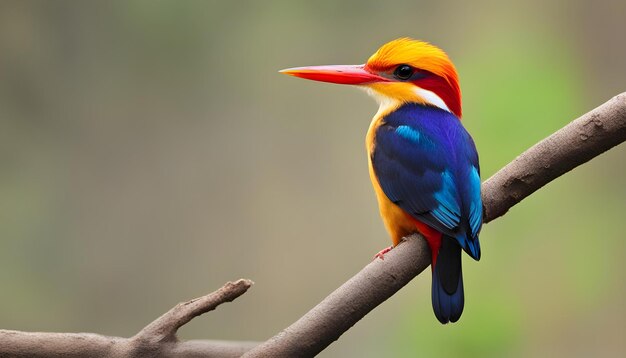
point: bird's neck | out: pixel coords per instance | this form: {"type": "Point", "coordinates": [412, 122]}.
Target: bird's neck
{"type": "Point", "coordinates": [417, 95]}
{"type": "Point", "coordinates": [386, 104]}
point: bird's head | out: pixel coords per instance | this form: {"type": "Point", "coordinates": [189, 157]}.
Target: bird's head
{"type": "Point", "coordinates": [401, 71]}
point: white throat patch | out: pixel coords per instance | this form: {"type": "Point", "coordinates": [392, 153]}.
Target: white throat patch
{"type": "Point", "coordinates": [432, 98]}
{"type": "Point", "coordinates": [386, 104]}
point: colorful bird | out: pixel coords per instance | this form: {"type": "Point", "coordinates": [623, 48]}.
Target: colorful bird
{"type": "Point", "coordinates": [422, 162]}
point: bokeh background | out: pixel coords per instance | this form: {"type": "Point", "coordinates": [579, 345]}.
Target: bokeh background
{"type": "Point", "coordinates": [150, 152]}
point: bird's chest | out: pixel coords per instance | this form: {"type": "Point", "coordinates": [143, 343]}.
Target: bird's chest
{"type": "Point", "coordinates": [397, 222]}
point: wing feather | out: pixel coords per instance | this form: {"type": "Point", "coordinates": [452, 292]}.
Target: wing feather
{"type": "Point", "coordinates": [427, 164]}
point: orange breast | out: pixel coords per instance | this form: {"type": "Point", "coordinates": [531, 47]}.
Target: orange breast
{"type": "Point", "coordinates": [397, 222]}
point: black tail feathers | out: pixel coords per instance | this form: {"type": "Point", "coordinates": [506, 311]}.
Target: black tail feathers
{"type": "Point", "coordinates": [447, 287]}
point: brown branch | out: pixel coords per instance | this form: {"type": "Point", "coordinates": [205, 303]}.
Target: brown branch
{"type": "Point", "coordinates": [576, 143]}
{"type": "Point", "coordinates": [323, 325]}
{"type": "Point", "coordinates": [164, 328]}
{"type": "Point", "coordinates": [158, 339]}
{"type": "Point", "coordinates": [584, 138]}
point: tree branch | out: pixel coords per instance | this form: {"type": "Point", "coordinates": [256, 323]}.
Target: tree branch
{"type": "Point", "coordinates": [158, 339]}
{"type": "Point", "coordinates": [584, 138]}
{"type": "Point", "coordinates": [373, 285]}
{"type": "Point", "coordinates": [164, 328]}
{"type": "Point", "coordinates": [581, 140]}
{"type": "Point", "coordinates": [576, 143]}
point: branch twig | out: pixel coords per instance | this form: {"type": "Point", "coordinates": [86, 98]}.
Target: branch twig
{"type": "Point", "coordinates": [164, 328]}
{"type": "Point", "coordinates": [576, 143]}
{"type": "Point", "coordinates": [584, 138]}
{"type": "Point", "coordinates": [158, 339]}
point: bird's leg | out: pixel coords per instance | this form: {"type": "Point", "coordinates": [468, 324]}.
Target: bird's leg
{"type": "Point", "coordinates": [381, 253]}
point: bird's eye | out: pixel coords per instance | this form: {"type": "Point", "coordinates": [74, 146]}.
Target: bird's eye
{"type": "Point", "coordinates": [403, 72]}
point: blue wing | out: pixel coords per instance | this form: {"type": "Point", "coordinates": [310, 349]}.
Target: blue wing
{"type": "Point", "coordinates": [427, 164]}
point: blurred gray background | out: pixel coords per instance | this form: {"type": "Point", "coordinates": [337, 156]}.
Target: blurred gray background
{"type": "Point", "coordinates": [150, 152]}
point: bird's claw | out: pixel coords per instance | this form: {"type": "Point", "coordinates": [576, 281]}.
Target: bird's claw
{"type": "Point", "coordinates": [381, 253]}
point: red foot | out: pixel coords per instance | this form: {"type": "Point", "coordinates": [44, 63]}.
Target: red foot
{"type": "Point", "coordinates": [381, 253]}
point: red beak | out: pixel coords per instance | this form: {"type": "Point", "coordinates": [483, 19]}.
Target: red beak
{"type": "Point", "coordinates": [342, 74]}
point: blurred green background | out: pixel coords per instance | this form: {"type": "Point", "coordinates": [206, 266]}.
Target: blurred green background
{"type": "Point", "coordinates": [150, 152]}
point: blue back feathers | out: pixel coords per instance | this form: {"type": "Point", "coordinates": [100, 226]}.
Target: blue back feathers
{"type": "Point", "coordinates": [427, 164]}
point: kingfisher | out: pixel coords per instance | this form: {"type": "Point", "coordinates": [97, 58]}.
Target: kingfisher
{"type": "Point", "coordinates": [422, 162]}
